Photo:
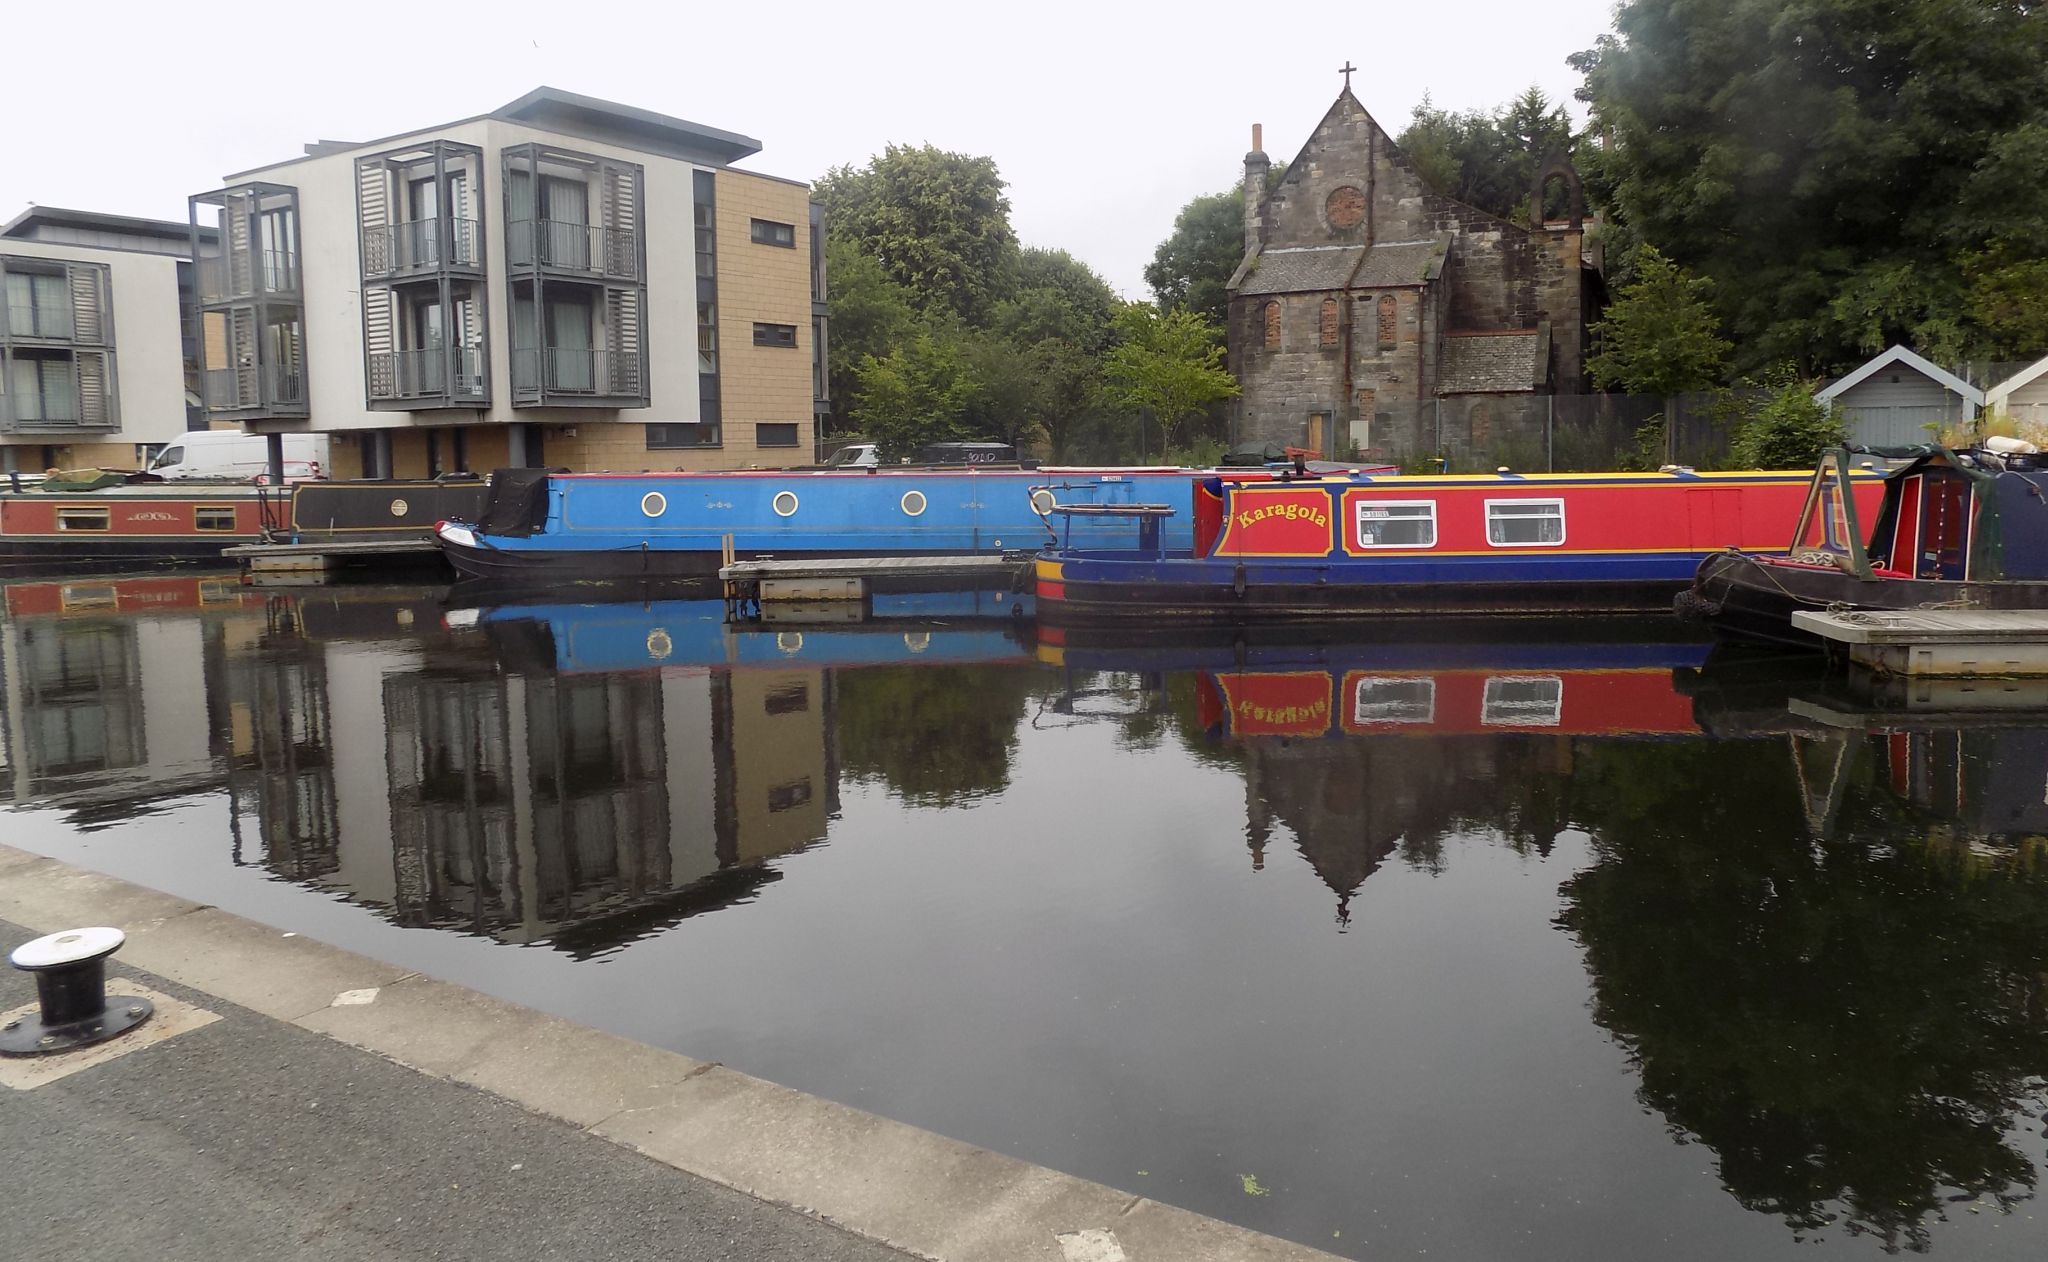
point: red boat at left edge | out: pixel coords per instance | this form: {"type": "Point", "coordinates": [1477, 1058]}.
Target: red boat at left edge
{"type": "Point", "coordinates": [128, 523]}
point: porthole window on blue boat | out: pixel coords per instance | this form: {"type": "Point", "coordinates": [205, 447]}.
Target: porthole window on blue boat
{"type": "Point", "coordinates": [1395, 524]}
{"type": "Point", "coordinates": [785, 503]}
{"type": "Point", "coordinates": [654, 503]}
{"type": "Point", "coordinates": [1525, 523]}
{"type": "Point", "coordinates": [913, 502]}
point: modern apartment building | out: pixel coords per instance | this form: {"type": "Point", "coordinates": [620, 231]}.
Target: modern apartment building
{"type": "Point", "coordinates": [562, 281]}
{"type": "Point", "coordinates": [95, 357]}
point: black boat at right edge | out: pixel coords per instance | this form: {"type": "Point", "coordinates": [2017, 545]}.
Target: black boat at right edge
{"type": "Point", "coordinates": [1955, 530]}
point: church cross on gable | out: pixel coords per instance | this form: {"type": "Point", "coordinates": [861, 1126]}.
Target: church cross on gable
{"type": "Point", "coordinates": [1364, 293]}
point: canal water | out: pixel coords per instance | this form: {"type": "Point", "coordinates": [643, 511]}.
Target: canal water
{"type": "Point", "coordinates": [1558, 944]}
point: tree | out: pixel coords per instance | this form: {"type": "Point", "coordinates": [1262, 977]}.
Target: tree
{"type": "Point", "coordinates": [870, 315]}
{"type": "Point", "coordinates": [1831, 166]}
{"type": "Point", "coordinates": [1489, 158]}
{"type": "Point", "coordinates": [1789, 429]}
{"type": "Point", "coordinates": [1660, 336]}
{"type": "Point", "coordinates": [918, 393]}
{"type": "Point", "coordinates": [1058, 325]}
{"type": "Point", "coordinates": [1190, 268]}
{"type": "Point", "coordinates": [1169, 363]}
{"type": "Point", "coordinates": [936, 222]}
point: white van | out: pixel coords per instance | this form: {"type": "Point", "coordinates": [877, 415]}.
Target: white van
{"type": "Point", "coordinates": [231, 454]}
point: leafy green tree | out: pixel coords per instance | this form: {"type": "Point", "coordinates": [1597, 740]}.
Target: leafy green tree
{"type": "Point", "coordinates": [1058, 325]}
{"type": "Point", "coordinates": [1788, 429]}
{"type": "Point", "coordinates": [1831, 166]}
{"type": "Point", "coordinates": [1489, 158]}
{"type": "Point", "coordinates": [1190, 268]}
{"type": "Point", "coordinates": [938, 223]}
{"type": "Point", "coordinates": [1660, 335]}
{"type": "Point", "coordinates": [870, 315]}
{"type": "Point", "coordinates": [918, 393]}
{"type": "Point", "coordinates": [1169, 364]}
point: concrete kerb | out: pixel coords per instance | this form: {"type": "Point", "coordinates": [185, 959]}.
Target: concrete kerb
{"type": "Point", "coordinates": [901, 1186]}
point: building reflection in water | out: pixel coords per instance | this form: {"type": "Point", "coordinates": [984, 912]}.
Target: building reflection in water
{"type": "Point", "coordinates": [367, 751]}
{"type": "Point", "coordinates": [568, 808]}
{"type": "Point", "coordinates": [105, 704]}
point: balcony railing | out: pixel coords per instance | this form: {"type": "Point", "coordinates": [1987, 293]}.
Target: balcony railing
{"type": "Point", "coordinates": [228, 277]}
{"type": "Point", "coordinates": [266, 387]}
{"type": "Point", "coordinates": [33, 321]}
{"type": "Point", "coordinates": [424, 375]}
{"type": "Point", "coordinates": [556, 370]}
{"type": "Point", "coordinates": [574, 247]}
{"type": "Point", "coordinates": [418, 246]}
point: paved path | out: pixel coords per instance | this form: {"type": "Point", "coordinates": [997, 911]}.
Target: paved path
{"type": "Point", "coordinates": [252, 1138]}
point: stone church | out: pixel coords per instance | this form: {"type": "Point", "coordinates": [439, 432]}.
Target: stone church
{"type": "Point", "coordinates": [1368, 306]}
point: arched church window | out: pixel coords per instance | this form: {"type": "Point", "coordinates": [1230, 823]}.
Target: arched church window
{"type": "Point", "coordinates": [1273, 324]}
{"type": "Point", "coordinates": [1329, 324]}
{"type": "Point", "coordinates": [1390, 321]}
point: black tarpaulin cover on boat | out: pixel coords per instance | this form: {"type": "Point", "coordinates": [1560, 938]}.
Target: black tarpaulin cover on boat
{"type": "Point", "coordinates": [518, 503]}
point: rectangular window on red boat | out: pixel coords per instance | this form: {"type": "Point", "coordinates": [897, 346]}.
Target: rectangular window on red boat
{"type": "Point", "coordinates": [1383, 699]}
{"type": "Point", "coordinates": [1525, 523]}
{"type": "Point", "coordinates": [1395, 523]}
{"type": "Point", "coordinates": [1523, 701]}
{"type": "Point", "coordinates": [83, 518]}
{"type": "Point", "coordinates": [213, 518]}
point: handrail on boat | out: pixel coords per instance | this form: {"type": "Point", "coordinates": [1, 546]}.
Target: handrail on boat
{"type": "Point", "coordinates": [1148, 516]}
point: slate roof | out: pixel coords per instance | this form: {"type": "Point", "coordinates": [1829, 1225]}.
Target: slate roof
{"type": "Point", "coordinates": [1314, 268]}
{"type": "Point", "coordinates": [1401, 263]}
{"type": "Point", "coordinates": [1302, 269]}
{"type": "Point", "coordinates": [1494, 363]}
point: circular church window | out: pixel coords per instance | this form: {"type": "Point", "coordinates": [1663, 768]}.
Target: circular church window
{"type": "Point", "coordinates": [1345, 208]}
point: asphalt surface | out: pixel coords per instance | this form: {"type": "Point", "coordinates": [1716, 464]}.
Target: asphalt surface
{"type": "Point", "coordinates": [252, 1138]}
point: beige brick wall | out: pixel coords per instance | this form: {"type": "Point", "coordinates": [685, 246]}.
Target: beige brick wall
{"type": "Point", "coordinates": [771, 285]}
{"type": "Point", "coordinates": [28, 455]}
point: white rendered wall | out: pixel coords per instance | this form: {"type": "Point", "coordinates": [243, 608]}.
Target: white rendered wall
{"type": "Point", "coordinates": [149, 352]}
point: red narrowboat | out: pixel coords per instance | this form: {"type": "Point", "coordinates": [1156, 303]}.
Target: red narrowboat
{"type": "Point", "coordinates": [1542, 543]}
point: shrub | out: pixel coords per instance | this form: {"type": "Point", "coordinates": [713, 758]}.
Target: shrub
{"type": "Point", "coordinates": [1787, 428]}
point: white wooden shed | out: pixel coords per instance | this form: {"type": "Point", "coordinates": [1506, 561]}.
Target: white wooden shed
{"type": "Point", "coordinates": [1898, 399]}
{"type": "Point", "coordinates": [2024, 395]}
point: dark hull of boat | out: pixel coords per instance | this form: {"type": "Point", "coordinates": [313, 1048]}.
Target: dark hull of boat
{"type": "Point", "coordinates": [530, 567]}
{"type": "Point", "coordinates": [99, 551]}
{"type": "Point", "coordinates": [1743, 598]}
{"type": "Point", "coordinates": [1099, 603]}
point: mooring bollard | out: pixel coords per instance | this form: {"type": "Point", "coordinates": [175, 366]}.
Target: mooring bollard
{"type": "Point", "coordinates": [71, 986]}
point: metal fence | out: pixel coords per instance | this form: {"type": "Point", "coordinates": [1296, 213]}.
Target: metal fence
{"type": "Point", "coordinates": [1535, 433]}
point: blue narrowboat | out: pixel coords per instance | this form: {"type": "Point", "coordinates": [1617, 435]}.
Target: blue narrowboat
{"type": "Point", "coordinates": [539, 524]}
{"type": "Point", "coordinates": [1540, 543]}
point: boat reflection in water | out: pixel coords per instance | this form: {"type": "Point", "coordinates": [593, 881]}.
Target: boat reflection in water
{"type": "Point", "coordinates": [1811, 915]}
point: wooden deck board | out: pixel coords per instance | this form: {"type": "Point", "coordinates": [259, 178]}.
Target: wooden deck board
{"type": "Point", "coordinates": [873, 567]}
{"type": "Point", "coordinates": [1926, 626]}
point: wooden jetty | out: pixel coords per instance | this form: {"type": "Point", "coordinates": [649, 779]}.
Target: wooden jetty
{"type": "Point", "coordinates": [769, 580]}
{"type": "Point", "coordinates": [1938, 643]}
{"type": "Point", "coordinates": [314, 559]}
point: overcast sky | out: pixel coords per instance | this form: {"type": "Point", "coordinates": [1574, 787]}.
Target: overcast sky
{"type": "Point", "coordinates": [1104, 118]}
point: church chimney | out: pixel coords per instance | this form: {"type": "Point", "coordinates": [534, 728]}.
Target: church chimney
{"type": "Point", "coordinates": [1256, 165]}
